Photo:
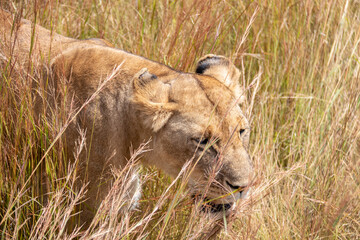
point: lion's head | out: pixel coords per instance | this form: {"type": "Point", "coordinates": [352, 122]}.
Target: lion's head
{"type": "Point", "coordinates": [197, 117]}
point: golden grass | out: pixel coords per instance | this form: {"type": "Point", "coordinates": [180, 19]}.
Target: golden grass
{"type": "Point", "coordinates": [300, 63]}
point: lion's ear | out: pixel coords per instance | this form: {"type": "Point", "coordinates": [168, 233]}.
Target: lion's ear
{"type": "Point", "coordinates": [224, 70]}
{"type": "Point", "coordinates": [151, 98]}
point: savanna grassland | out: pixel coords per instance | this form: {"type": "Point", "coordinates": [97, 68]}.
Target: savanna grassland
{"type": "Point", "coordinates": [300, 65]}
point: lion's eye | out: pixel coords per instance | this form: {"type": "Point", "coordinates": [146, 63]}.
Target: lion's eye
{"type": "Point", "coordinates": [241, 131]}
{"type": "Point", "coordinates": [201, 141]}
{"type": "Point", "coordinates": [205, 144]}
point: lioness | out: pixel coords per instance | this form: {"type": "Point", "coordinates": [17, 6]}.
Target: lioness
{"type": "Point", "coordinates": [187, 116]}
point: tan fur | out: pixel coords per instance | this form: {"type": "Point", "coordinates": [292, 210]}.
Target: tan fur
{"type": "Point", "coordinates": [148, 100]}
{"type": "Point", "coordinates": [15, 39]}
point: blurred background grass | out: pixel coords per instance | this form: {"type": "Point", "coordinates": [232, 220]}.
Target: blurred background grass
{"type": "Point", "coordinates": [305, 119]}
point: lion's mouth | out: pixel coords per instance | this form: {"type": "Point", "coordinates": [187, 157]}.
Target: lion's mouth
{"type": "Point", "coordinates": [215, 208]}
{"type": "Point", "coordinates": [211, 207]}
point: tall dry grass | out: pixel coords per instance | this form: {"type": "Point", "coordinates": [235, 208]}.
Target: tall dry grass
{"type": "Point", "coordinates": [300, 64]}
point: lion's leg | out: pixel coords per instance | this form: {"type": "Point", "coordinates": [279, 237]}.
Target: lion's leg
{"type": "Point", "coordinates": [114, 198]}
{"type": "Point", "coordinates": [93, 173]}
{"type": "Point", "coordinates": [96, 193]}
